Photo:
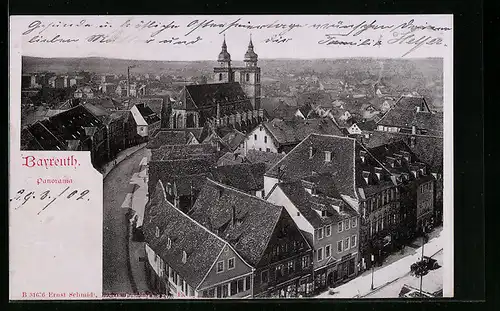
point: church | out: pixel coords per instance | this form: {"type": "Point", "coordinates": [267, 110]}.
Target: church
{"type": "Point", "coordinates": [231, 100]}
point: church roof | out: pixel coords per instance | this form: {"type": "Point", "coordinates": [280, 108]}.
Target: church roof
{"type": "Point", "coordinates": [208, 95]}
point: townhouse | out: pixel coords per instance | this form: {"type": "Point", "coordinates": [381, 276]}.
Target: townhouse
{"type": "Point", "coordinates": [265, 236]}
{"type": "Point", "coordinates": [329, 223]}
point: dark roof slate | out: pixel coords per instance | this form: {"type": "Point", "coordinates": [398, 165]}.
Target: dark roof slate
{"type": "Point", "coordinates": [294, 131]}
{"type": "Point", "coordinates": [245, 177]}
{"type": "Point", "coordinates": [268, 158]}
{"type": "Point", "coordinates": [254, 224]}
{"type": "Point", "coordinates": [202, 246]}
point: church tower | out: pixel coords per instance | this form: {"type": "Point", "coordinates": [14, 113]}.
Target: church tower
{"type": "Point", "coordinates": [250, 76]}
{"type": "Point", "coordinates": [224, 72]}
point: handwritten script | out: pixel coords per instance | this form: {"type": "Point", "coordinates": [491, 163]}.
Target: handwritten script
{"type": "Point", "coordinates": [23, 196]}
{"type": "Point", "coordinates": [152, 31]}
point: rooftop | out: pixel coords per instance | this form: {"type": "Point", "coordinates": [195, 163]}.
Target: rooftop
{"type": "Point", "coordinates": [294, 131]}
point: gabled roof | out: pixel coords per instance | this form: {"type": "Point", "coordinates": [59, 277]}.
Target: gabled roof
{"type": "Point", "coordinates": [367, 125]}
{"type": "Point", "coordinates": [404, 114]}
{"type": "Point", "coordinates": [28, 141]}
{"type": "Point", "coordinates": [207, 95]}
{"type": "Point", "coordinates": [148, 114]}
{"type": "Point", "coordinates": [169, 137]}
{"type": "Point", "coordinates": [186, 235]}
{"type": "Point", "coordinates": [309, 205]}
{"type": "Point", "coordinates": [45, 138]}
{"type": "Point", "coordinates": [230, 158]}
{"type": "Point", "coordinates": [254, 224]}
{"type": "Point", "coordinates": [287, 132]}
{"type": "Point", "coordinates": [168, 170]}
{"type": "Point", "coordinates": [182, 152]}
{"type": "Point", "coordinates": [268, 158]}
{"type": "Point", "coordinates": [246, 177]}
{"type": "Point", "coordinates": [233, 139]}
{"type": "Point", "coordinates": [297, 164]}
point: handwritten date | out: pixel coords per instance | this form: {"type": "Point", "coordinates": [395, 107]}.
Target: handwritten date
{"type": "Point", "coordinates": [24, 196]}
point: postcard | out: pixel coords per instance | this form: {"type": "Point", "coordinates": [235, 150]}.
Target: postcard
{"type": "Point", "coordinates": [231, 157]}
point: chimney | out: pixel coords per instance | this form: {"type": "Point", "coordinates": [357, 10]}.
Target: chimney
{"type": "Point", "coordinates": [311, 152]}
{"type": "Point", "coordinates": [233, 216]}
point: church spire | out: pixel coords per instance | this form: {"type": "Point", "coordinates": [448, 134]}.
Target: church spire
{"type": "Point", "coordinates": [224, 56]}
{"type": "Point", "coordinates": [250, 56]}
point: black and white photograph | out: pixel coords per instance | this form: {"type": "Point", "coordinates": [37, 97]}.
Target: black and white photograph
{"type": "Point", "coordinates": [254, 157]}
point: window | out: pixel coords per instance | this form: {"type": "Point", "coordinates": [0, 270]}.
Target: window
{"type": "Point", "coordinates": [184, 256]}
{"type": "Point", "coordinates": [341, 226]}
{"type": "Point", "coordinates": [263, 193]}
{"type": "Point", "coordinates": [353, 241]}
{"type": "Point", "coordinates": [260, 149]}
{"type": "Point", "coordinates": [234, 287]}
{"type": "Point", "coordinates": [268, 150]}
{"type": "Point", "coordinates": [169, 243]}
{"type": "Point", "coordinates": [241, 286]}
{"type": "Point", "coordinates": [328, 156]}
{"type": "Point", "coordinates": [247, 283]}
{"type": "Point", "coordinates": [279, 271]}
{"type": "Point", "coordinates": [291, 266]}
{"type": "Point", "coordinates": [328, 251]}
{"type": "Point", "coordinates": [225, 290]}
{"type": "Point", "coordinates": [219, 291]}
{"type": "Point", "coordinates": [354, 222]}
{"type": "Point", "coordinates": [184, 287]}
{"type": "Point", "coordinates": [255, 136]}
{"type": "Point", "coordinates": [257, 77]}
{"type": "Point", "coordinates": [305, 262]}
{"type": "Point", "coordinates": [220, 266]}
{"type": "Point", "coordinates": [328, 230]}
{"type": "Point", "coordinates": [247, 77]}
{"type": "Point", "coordinates": [320, 254]}
{"type": "Point", "coordinates": [298, 213]}
{"type": "Point", "coordinates": [347, 224]}
{"type": "Point", "coordinates": [230, 263]}
{"type": "Point", "coordinates": [320, 233]}
{"type": "Point", "coordinates": [339, 247]}
{"type": "Point", "coordinates": [157, 232]}
{"type": "Point", "coordinates": [346, 243]}
{"type": "Point", "coordinates": [265, 139]}
{"type": "Point", "coordinates": [264, 276]}
{"type": "Point", "coordinates": [220, 76]}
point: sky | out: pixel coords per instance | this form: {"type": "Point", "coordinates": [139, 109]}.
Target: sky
{"type": "Point", "coordinates": [188, 38]}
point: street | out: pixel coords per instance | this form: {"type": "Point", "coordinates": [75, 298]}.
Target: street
{"type": "Point", "coordinates": [116, 278]}
{"type": "Point", "coordinates": [395, 267]}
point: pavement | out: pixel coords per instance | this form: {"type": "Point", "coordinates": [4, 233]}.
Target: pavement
{"type": "Point", "coordinates": [395, 267]}
{"type": "Point", "coordinates": [432, 282]}
{"type": "Point", "coordinates": [116, 187]}
{"type": "Point", "coordinates": [137, 249]}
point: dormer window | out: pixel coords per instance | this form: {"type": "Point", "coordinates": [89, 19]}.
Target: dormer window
{"type": "Point", "coordinates": [311, 152]}
{"type": "Point", "coordinates": [414, 173]}
{"type": "Point", "coordinates": [184, 256]}
{"type": "Point", "coordinates": [378, 172]}
{"type": "Point", "coordinates": [323, 214]}
{"type": "Point", "coordinates": [157, 232]}
{"type": "Point", "coordinates": [328, 156]}
{"type": "Point", "coordinates": [362, 155]}
{"type": "Point", "coordinates": [365, 176]}
{"type": "Point", "coordinates": [169, 243]}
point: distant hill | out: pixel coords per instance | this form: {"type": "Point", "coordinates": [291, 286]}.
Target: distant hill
{"type": "Point", "coordinates": [401, 75]}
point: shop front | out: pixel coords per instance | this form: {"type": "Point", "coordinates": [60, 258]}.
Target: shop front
{"type": "Point", "coordinates": [297, 287]}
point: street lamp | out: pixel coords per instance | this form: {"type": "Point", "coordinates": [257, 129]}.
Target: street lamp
{"type": "Point", "coordinates": [373, 268]}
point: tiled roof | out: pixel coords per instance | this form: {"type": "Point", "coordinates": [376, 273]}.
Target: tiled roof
{"type": "Point", "coordinates": [46, 139]}
{"type": "Point", "coordinates": [367, 125]}
{"type": "Point", "coordinates": [427, 148]}
{"type": "Point", "coordinates": [207, 95]}
{"type": "Point", "coordinates": [230, 158]}
{"type": "Point", "coordinates": [246, 177]}
{"type": "Point", "coordinates": [29, 142]}
{"type": "Point", "coordinates": [294, 131]}
{"type": "Point", "coordinates": [182, 151]}
{"type": "Point", "coordinates": [96, 110]}
{"type": "Point", "coordinates": [168, 170]}
{"type": "Point", "coordinates": [202, 246]}
{"type": "Point", "coordinates": [268, 158]}
{"type": "Point", "coordinates": [297, 164]}
{"type": "Point", "coordinates": [404, 114]}
{"type": "Point", "coordinates": [148, 114]}
{"type": "Point", "coordinates": [168, 137]}
{"type": "Point", "coordinates": [71, 123]}
{"type": "Point", "coordinates": [309, 205]}
{"type": "Point", "coordinates": [233, 139]}
{"type": "Point", "coordinates": [156, 104]}
{"type": "Point", "coordinates": [254, 224]}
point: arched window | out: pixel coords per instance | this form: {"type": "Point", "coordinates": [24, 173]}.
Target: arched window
{"type": "Point", "coordinates": [257, 78]}
{"type": "Point", "coordinates": [248, 77]}
{"type": "Point", "coordinates": [220, 76]}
